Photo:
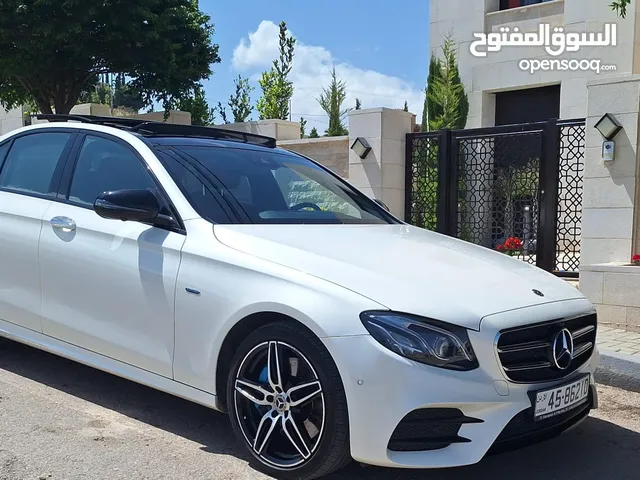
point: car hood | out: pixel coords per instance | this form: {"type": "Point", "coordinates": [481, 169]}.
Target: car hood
{"type": "Point", "coordinates": [404, 268]}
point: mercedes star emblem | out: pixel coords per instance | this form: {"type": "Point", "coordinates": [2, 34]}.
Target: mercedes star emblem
{"type": "Point", "coordinates": [563, 349]}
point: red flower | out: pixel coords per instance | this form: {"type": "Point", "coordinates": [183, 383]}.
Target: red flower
{"type": "Point", "coordinates": [500, 248]}
{"type": "Point", "coordinates": [513, 243]}
{"type": "Point", "coordinates": [635, 258]}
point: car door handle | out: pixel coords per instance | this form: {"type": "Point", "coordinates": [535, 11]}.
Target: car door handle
{"type": "Point", "coordinates": [63, 223]}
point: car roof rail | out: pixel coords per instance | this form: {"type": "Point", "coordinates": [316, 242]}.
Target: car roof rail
{"type": "Point", "coordinates": [152, 128]}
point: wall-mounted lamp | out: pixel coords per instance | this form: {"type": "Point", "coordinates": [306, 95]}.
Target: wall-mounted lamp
{"type": "Point", "coordinates": [608, 127]}
{"type": "Point", "coordinates": [361, 147]}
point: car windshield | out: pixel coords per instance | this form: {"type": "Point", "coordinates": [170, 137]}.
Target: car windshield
{"type": "Point", "coordinates": [274, 187]}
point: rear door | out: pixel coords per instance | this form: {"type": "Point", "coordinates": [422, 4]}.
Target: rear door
{"type": "Point", "coordinates": [109, 286]}
{"type": "Point", "coordinates": [30, 170]}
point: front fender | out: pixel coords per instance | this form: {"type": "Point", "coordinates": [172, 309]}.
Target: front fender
{"type": "Point", "coordinates": [233, 286]}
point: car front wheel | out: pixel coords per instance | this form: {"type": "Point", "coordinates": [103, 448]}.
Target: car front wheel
{"type": "Point", "coordinates": [287, 403]}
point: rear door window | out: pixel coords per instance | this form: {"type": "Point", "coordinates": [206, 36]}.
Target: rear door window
{"type": "Point", "coordinates": [31, 163]}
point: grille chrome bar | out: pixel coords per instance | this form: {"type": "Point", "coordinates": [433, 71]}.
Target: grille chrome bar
{"type": "Point", "coordinates": [524, 346]}
{"type": "Point", "coordinates": [582, 349]}
{"type": "Point", "coordinates": [531, 366]}
{"type": "Point", "coordinates": [583, 331]}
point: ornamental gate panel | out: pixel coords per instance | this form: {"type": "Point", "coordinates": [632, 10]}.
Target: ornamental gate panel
{"type": "Point", "coordinates": [489, 185]}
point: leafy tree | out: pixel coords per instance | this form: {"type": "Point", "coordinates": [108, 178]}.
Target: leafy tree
{"type": "Point", "coordinates": [117, 94]}
{"type": "Point", "coordinates": [97, 92]}
{"type": "Point", "coordinates": [303, 127]}
{"type": "Point", "coordinates": [331, 101]}
{"type": "Point", "coordinates": [52, 49]}
{"type": "Point", "coordinates": [196, 104]}
{"type": "Point", "coordinates": [314, 133]}
{"type": "Point", "coordinates": [620, 6]}
{"type": "Point", "coordinates": [447, 102]}
{"type": "Point", "coordinates": [406, 106]}
{"type": "Point", "coordinates": [358, 104]}
{"type": "Point", "coordinates": [125, 95]}
{"type": "Point", "coordinates": [240, 101]}
{"type": "Point", "coordinates": [277, 89]}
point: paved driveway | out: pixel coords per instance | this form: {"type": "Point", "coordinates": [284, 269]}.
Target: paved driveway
{"type": "Point", "coordinates": [63, 421]}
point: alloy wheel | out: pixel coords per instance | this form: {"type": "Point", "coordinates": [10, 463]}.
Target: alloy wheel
{"type": "Point", "coordinates": [279, 404]}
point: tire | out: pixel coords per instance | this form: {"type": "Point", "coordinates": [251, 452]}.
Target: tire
{"type": "Point", "coordinates": [302, 433]}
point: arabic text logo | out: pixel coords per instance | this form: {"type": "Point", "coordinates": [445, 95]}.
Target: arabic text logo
{"type": "Point", "coordinates": [554, 40]}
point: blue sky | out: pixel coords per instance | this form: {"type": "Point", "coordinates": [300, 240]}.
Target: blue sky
{"type": "Point", "coordinates": [380, 48]}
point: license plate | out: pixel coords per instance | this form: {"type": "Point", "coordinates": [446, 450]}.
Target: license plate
{"type": "Point", "coordinates": [559, 400]}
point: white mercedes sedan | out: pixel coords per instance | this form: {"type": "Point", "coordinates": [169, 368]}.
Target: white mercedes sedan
{"type": "Point", "coordinates": [219, 268]}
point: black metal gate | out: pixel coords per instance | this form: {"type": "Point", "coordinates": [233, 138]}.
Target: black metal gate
{"type": "Point", "coordinates": [489, 185]}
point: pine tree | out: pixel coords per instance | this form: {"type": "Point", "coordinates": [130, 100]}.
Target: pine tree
{"type": "Point", "coordinates": [447, 104]}
{"type": "Point", "coordinates": [406, 106]}
{"type": "Point", "coordinates": [331, 102]}
{"type": "Point", "coordinates": [314, 133]}
{"type": "Point", "coordinates": [277, 89]}
{"type": "Point", "coordinates": [240, 101]}
{"type": "Point", "coordinates": [303, 127]}
{"type": "Point", "coordinates": [223, 113]}
{"type": "Point", "coordinates": [358, 104]}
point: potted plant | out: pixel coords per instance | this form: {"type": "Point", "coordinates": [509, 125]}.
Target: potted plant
{"type": "Point", "coordinates": [512, 247]}
{"type": "Point", "coordinates": [635, 260]}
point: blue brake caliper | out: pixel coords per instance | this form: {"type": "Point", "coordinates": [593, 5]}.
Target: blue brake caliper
{"type": "Point", "coordinates": [263, 379]}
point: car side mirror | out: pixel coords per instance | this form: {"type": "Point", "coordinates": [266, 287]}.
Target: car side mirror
{"type": "Point", "coordinates": [128, 205]}
{"type": "Point", "coordinates": [382, 204]}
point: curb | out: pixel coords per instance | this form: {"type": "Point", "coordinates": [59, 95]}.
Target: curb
{"type": "Point", "coordinates": [619, 370]}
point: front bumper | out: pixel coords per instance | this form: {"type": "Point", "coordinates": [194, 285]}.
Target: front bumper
{"type": "Point", "coordinates": [382, 388]}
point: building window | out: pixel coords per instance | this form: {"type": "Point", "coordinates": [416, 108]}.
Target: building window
{"type": "Point", "coordinates": [507, 4]}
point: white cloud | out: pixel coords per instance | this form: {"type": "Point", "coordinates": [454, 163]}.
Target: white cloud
{"type": "Point", "coordinates": [312, 70]}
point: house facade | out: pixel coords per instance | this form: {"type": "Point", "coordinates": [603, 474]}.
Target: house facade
{"type": "Point", "coordinates": [514, 84]}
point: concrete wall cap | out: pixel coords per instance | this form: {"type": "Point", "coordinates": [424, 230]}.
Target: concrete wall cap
{"type": "Point", "coordinates": [379, 110]}
{"type": "Point", "coordinates": [612, 268]}
{"type": "Point", "coordinates": [304, 141]}
{"type": "Point", "coordinates": [613, 79]}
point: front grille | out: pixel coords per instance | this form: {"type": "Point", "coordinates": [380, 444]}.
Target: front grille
{"type": "Point", "coordinates": [429, 429]}
{"type": "Point", "coordinates": [523, 430]}
{"type": "Point", "coordinates": [526, 353]}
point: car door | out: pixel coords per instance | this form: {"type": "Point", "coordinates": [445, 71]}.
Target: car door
{"type": "Point", "coordinates": [30, 168]}
{"type": "Point", "coordinates": [109, 286]}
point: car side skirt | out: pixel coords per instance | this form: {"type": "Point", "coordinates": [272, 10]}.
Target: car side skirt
{"type": "Point", "coordinates": [106, 364]}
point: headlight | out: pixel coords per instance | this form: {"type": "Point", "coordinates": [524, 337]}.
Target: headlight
{"type": "Point", "coordinates": [422, 339]}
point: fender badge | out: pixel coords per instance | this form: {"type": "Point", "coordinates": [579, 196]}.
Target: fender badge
{"type": "Point", "coordinates": [538, 292]}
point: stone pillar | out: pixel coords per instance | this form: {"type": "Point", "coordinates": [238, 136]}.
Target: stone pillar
{"type": "Point", "coordinates": [382, 173]}
{"type": "Point", "coordinates": [611, 204]}
{"type": "Point", "coordinates": [278, 129]}
{"type": "Point", "coordinates": [610, 187]}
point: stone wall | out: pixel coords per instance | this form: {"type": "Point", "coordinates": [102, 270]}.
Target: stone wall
{"type": "Point", "coordinates": [332, 152]}
{"type": "Point", "coordinates": [613, 289]}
